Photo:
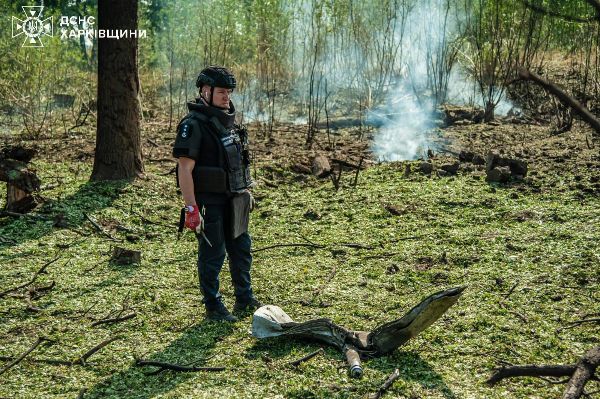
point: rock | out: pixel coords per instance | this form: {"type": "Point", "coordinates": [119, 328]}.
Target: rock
{"type": "Point", "coordinates": [466, 156]}
{"type": "Point", "coordinates": [60, 221]}
{"type": "Point", "coordinates": [122, 256]}
{"type": "Point", "coordinates": [478, 160]}
{"type": "Point", "coordinates": [321, 166]}
{"type": "Point", "coordinates": [451, 168]}
{"type": "Point", "coordinates": [300, 168]}
{"type": "Point", "coordinates": [426, 168]}
{"type": "Point", "coordinates": [517, 167]}
{"type": "Point", "coordinates": [394, 210]}
{"type": "Point", "coordinates": [132, 237]}
{"type": "Point", "coordinates": [491, 161]}
{"type": "Point", "coordinates": [311, 215]}
{"type": "Point", "coordinates": [499, 174]}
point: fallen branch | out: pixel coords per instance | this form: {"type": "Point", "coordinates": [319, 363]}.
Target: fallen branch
{"type": "Point", "coordinates": [578, 323]}
{"type": "Point", "coordinates": [114, 319]}
{"type": "Point", "coordinates": [21, 357]}
{"type": "Point", "coordinates": [98, 227]}
{"type": "Point", "coordinates": [40, 271]}
{"type": "Point", "coordinates": [530, 371]}
{"type": "Point", "coordinates": [579, 373]}
{"type": "Point", "coordinates": [386, 385]}
{"type": "Point", "coordinates": [175, 367]}
{"type": "Point", "coordinates": [56, 362]}
{"type": "Point", "coordinates": [319, 290]}
{"type": "Point", "coordinates": [564, 97]}
{"type": "Point", "coordinates": [296, 363]}
{"type": "Point", "coordinates": [289, 245]}
{"type": "Point", "coordinates": [585, 369]}
{"type": "Point", "coordinates": [95, 349]}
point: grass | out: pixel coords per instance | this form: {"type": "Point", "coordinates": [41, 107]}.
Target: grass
{"type": "Point", "coordinates": [452, 231]}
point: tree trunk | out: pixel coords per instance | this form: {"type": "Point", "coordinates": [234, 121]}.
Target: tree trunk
{"type": "Point", "coordinates": [118, 144]}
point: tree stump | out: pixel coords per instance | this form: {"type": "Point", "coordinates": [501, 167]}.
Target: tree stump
{"type": "Point", "coordinates": [21, 181]}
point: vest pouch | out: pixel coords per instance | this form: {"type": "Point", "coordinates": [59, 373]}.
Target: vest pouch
{"type": "Point", "coordinates": [208, 179]}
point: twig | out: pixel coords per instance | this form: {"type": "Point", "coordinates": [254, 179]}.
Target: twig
{"type": "Point", "coordinates": [27, 352]}
{"type": "Point", "coordinates": [510, 291]}
{"type": "Point", "coordinates": [40, 271]}
{"type": "Point", "coordinates": [95, 349]}
{"type": "Point", "coordinates": [289, 245]}
{"type": "Point", "coordinates": [175, 367]}
{"type": "Point", "coordinates": [296, 363]}
{"type": "Point", "coordinates": [357, 172]}
{"type": "Point", "coordinates": [57, 362]}
{"type": "Point", "coordinates": [577, 323]}
{"type": "Point", "coordinates": [114, 319]}
{"type": "Point", "coordinates": [317, 291]}
{"type": "Point", "coordinates": [355, 245]}
{"type": "Point", "coordinates": [98, 227]}
{"type": "Point", "coordinates": [386, 385]}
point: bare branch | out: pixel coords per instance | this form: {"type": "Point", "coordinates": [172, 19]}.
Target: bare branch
{"type": "Point", "coordinates": [95, 349]}
{"type": "Point", "coordinates": [174, 367]}
{"type": "Point", "coordinates": [114, 319]}
{"type": "Point", "coordinates": [296, 363]}
{"type": "Point", "coordinates": [386, 385]}
{"type": "Point", "coordinates": [568, 18]}
{"type": "Point", "coordinates": [40, 271]}
{"type": "Point", "coordinates": [21, 357]}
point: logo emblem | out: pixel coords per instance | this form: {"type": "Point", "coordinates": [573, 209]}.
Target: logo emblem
{"type": "Point", "coordinates": [185, 133]}
{"type": "Point", "coordinates": [33, 27]}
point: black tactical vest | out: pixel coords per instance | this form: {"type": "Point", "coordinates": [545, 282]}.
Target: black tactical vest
{"type": "Point", "coordinates": [221, 153]}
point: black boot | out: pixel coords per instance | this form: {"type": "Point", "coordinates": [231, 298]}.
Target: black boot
{"type": "Point", "coordinates": [241, 307]}
{"type": "Point", "coordinates": [219, 314]}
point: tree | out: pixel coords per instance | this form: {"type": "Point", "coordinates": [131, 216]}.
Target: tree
{"type": "Point", "coordinates": [118, 146]}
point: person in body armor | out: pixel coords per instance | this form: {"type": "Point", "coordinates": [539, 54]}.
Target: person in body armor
{"type": "Point", "coordinates": [214, 177]}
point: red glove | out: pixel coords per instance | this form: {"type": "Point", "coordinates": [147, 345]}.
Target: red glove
{"type": "Point", "coordinates": [192, 218]}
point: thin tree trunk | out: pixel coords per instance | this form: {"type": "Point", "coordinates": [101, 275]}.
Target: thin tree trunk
{"type": "Point", "coordinates": [118, 145]}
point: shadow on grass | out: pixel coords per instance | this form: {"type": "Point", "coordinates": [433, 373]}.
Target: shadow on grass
{"type": "Point", "coordinates": [411, 366]}
{"type": "Point", "coordinates": [91, 197]}
{"type": "Point", "coordinates": [412, 369]}
{"type": "Point", "coordinates": [194, 347]}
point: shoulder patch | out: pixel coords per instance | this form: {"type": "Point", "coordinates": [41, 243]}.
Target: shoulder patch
{"type": "Point", "coordinates": [185, 131]}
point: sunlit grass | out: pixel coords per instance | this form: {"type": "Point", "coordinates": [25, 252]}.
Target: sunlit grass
{"type": "Point", "coordinates": [453, 231]}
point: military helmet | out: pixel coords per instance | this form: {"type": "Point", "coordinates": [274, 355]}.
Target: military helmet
{"type": "Point", "coordinates": [216, 76]}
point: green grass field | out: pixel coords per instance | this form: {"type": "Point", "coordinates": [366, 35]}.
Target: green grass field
{"type": "Point", "coordinates": [530, 261]}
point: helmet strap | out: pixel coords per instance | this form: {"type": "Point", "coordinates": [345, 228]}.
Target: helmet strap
{"type": "Point", "coordinates": [212, 93]}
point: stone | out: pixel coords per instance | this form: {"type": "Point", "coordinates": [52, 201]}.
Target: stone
{"type": "Point", "coordinates": [426, 168]}
{"type": "Point", "coordinates": [451, 168]}
{"type": "Point", "coordinates": [321, 166]}
{"type": "Point", "coordinates": [499, 174]}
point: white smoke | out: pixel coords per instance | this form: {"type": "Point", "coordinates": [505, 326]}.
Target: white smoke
{"type": "Point", "coordinates": [409, 111]}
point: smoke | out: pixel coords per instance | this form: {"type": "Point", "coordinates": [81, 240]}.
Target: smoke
{"type": "Point", "coordinates": [429, 77]}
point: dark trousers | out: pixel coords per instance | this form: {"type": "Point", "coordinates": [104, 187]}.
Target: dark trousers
{"type": "Point", "coordinates": [210, 259]}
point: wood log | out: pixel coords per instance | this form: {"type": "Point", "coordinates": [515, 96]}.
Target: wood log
{"type": "Point", "coordinates": [584, 370]}
{"type": "Point", "coordinates": [21, 182]}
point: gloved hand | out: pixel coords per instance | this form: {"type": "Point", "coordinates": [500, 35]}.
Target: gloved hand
{"type": "Point", "coordinates": [193, 220]}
